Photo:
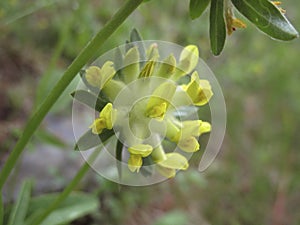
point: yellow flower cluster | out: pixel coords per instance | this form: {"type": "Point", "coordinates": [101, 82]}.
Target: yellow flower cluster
{"type": "Point", "coordinates": [158, 106]}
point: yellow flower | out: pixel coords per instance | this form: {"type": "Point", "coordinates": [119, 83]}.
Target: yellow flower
{"type": "Point", "coordinates": [189, 144]}
{"type": "Point", "coordinates": [174, 161]}
{"type": "Point", "coordinates": [99, 77]}
{"type": "Point", "coordinates": [194, 128]}
{"type": "Point", "coordinates": [106, 119]}
{"type": "Point", "coordinates": [187, 62]}
{"type": "Point", "coordinates": [137, 152]}
{"type": "Point", "coordinates": [160, 100]}
{"type": "Point", "coordinates": [198, 90]}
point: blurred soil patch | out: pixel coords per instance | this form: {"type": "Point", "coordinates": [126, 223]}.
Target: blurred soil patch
{"type": "Point", "coordinates": [18, 77]}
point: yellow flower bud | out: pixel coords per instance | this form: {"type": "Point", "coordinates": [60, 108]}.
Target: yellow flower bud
{"type": "Point", "coordinates": [99, 77]}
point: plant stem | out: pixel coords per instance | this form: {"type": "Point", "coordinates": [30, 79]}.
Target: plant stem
{"type": "Point", "coordinates": [63, 195]}
{"type": "Point", "coordinates": [128, 7]}
{"type": "Point", "coordinates": [1, 210]}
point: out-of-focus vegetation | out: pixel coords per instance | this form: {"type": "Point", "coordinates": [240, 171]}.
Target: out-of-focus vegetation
{"type": "Point", "coordinates": [254, 180]}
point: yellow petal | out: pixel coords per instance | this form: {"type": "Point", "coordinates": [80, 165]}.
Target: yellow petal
{"type": "Point", "coordinates": [194, 128]}
{"type": "Point", "coordinates": [188, 61]}
{"type": "Point", "coordinates": [166, 172]}
{"type": "Point", "coordinates": [109, 115]}
{"type": "Point", "coordinates": [175, 161]}
{"type": "Point", "coordinates": [93, 76]}
{"type": "Point", "coordinates": [134, 163]}
{"type": "Point", "coordinates": [98, 126]}
{"type": "Point", "coordinates": [189, 144]}
{"type": "Point", "coordinates": [140, 149]}
{"type": "Point", "coordinates": [199, 90]}
{"type": "Point", "coordinates": [160, 100]}
{"type": "Point", "coordinates": [205, 127]}
{"type": "Point", "coordinates": [167, 67]}
{"type": "Point", "coordinates": [107, 73]}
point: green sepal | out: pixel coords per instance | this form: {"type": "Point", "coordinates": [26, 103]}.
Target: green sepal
{"type": "Point", "coordinates": [89, 99]}
{"type": "Point", "coordinates": [136, 36]}
{"type": "Point", "coordinates": [217, 28]}
{"type": "Point", "coordinates": [197, 7]}
{"type": "Point", "coordinates": [267, 17]}
{"type": "Point", "coordinates": [90, 140]}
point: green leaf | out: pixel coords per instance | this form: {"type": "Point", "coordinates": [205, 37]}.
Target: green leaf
{"type": "Point", "coordinates": [197, 7]}
{"type": "Point", "coordinates": [217, 29]}
{"type": "Point", "coordinates": [19, 210]}
{"type": "Point", "coordinates": [90, 140]}
{"type": "Point", "coordinates": [89, 99]}
{"type": "Point", "coordinates": [267, 17]}
{"type": "Point", "coordinates": [135, 36]}
{"type": "Point", "coordinates": [75, 206]}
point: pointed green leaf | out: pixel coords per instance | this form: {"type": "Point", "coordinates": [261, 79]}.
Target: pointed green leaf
{"type": "Point", "coordinates": [267, 17]}
{"type": "Point", "coordinates": [90, 140]}
{"type": "Point", "coordinates": [135, 36]}
{"type": "Point", "coordinates": [217, 29]}
{"type": "Point", "coordinates": [75, 206]}
{"type": "Point", "coordinates": [89, 99]}
{"type": "Point", "coordinates": [197, 7]}
{"type": "Point", "coordinates": [19, 210]}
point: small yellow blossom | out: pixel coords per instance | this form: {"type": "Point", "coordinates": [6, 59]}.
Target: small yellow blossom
{"type": "Point", "coordinates": [189, 144]}
{"type": "Point", "coordinates": [160, 100]}
{"type": "Point", "coordinates": [137, 152]}
{"type": "Point", "coordinates": [198, 90]}
{"type": "Point", "coordinates": [99, 77]}
{"type": "Point", "coordinates": [106, 119]}
{"type": "Point", "coordinates": [174, 161]}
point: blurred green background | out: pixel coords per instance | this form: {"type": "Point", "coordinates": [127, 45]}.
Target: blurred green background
{"type": "Point", "coordinates": [254, 180]}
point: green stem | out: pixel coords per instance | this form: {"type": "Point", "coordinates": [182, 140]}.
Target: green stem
{"type": "Point", "coordinates": [63, 195]}
{"type": "Point", "coordinates": [128, 7]}
{"type": "Point", "coordinates": [1, 210]}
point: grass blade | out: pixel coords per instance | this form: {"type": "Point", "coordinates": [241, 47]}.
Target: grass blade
{"type": "Point", "coordinates": [17, 216]}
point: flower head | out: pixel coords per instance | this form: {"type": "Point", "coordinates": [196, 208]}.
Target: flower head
{"type": "Point", "coordinates": [141, 105]}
